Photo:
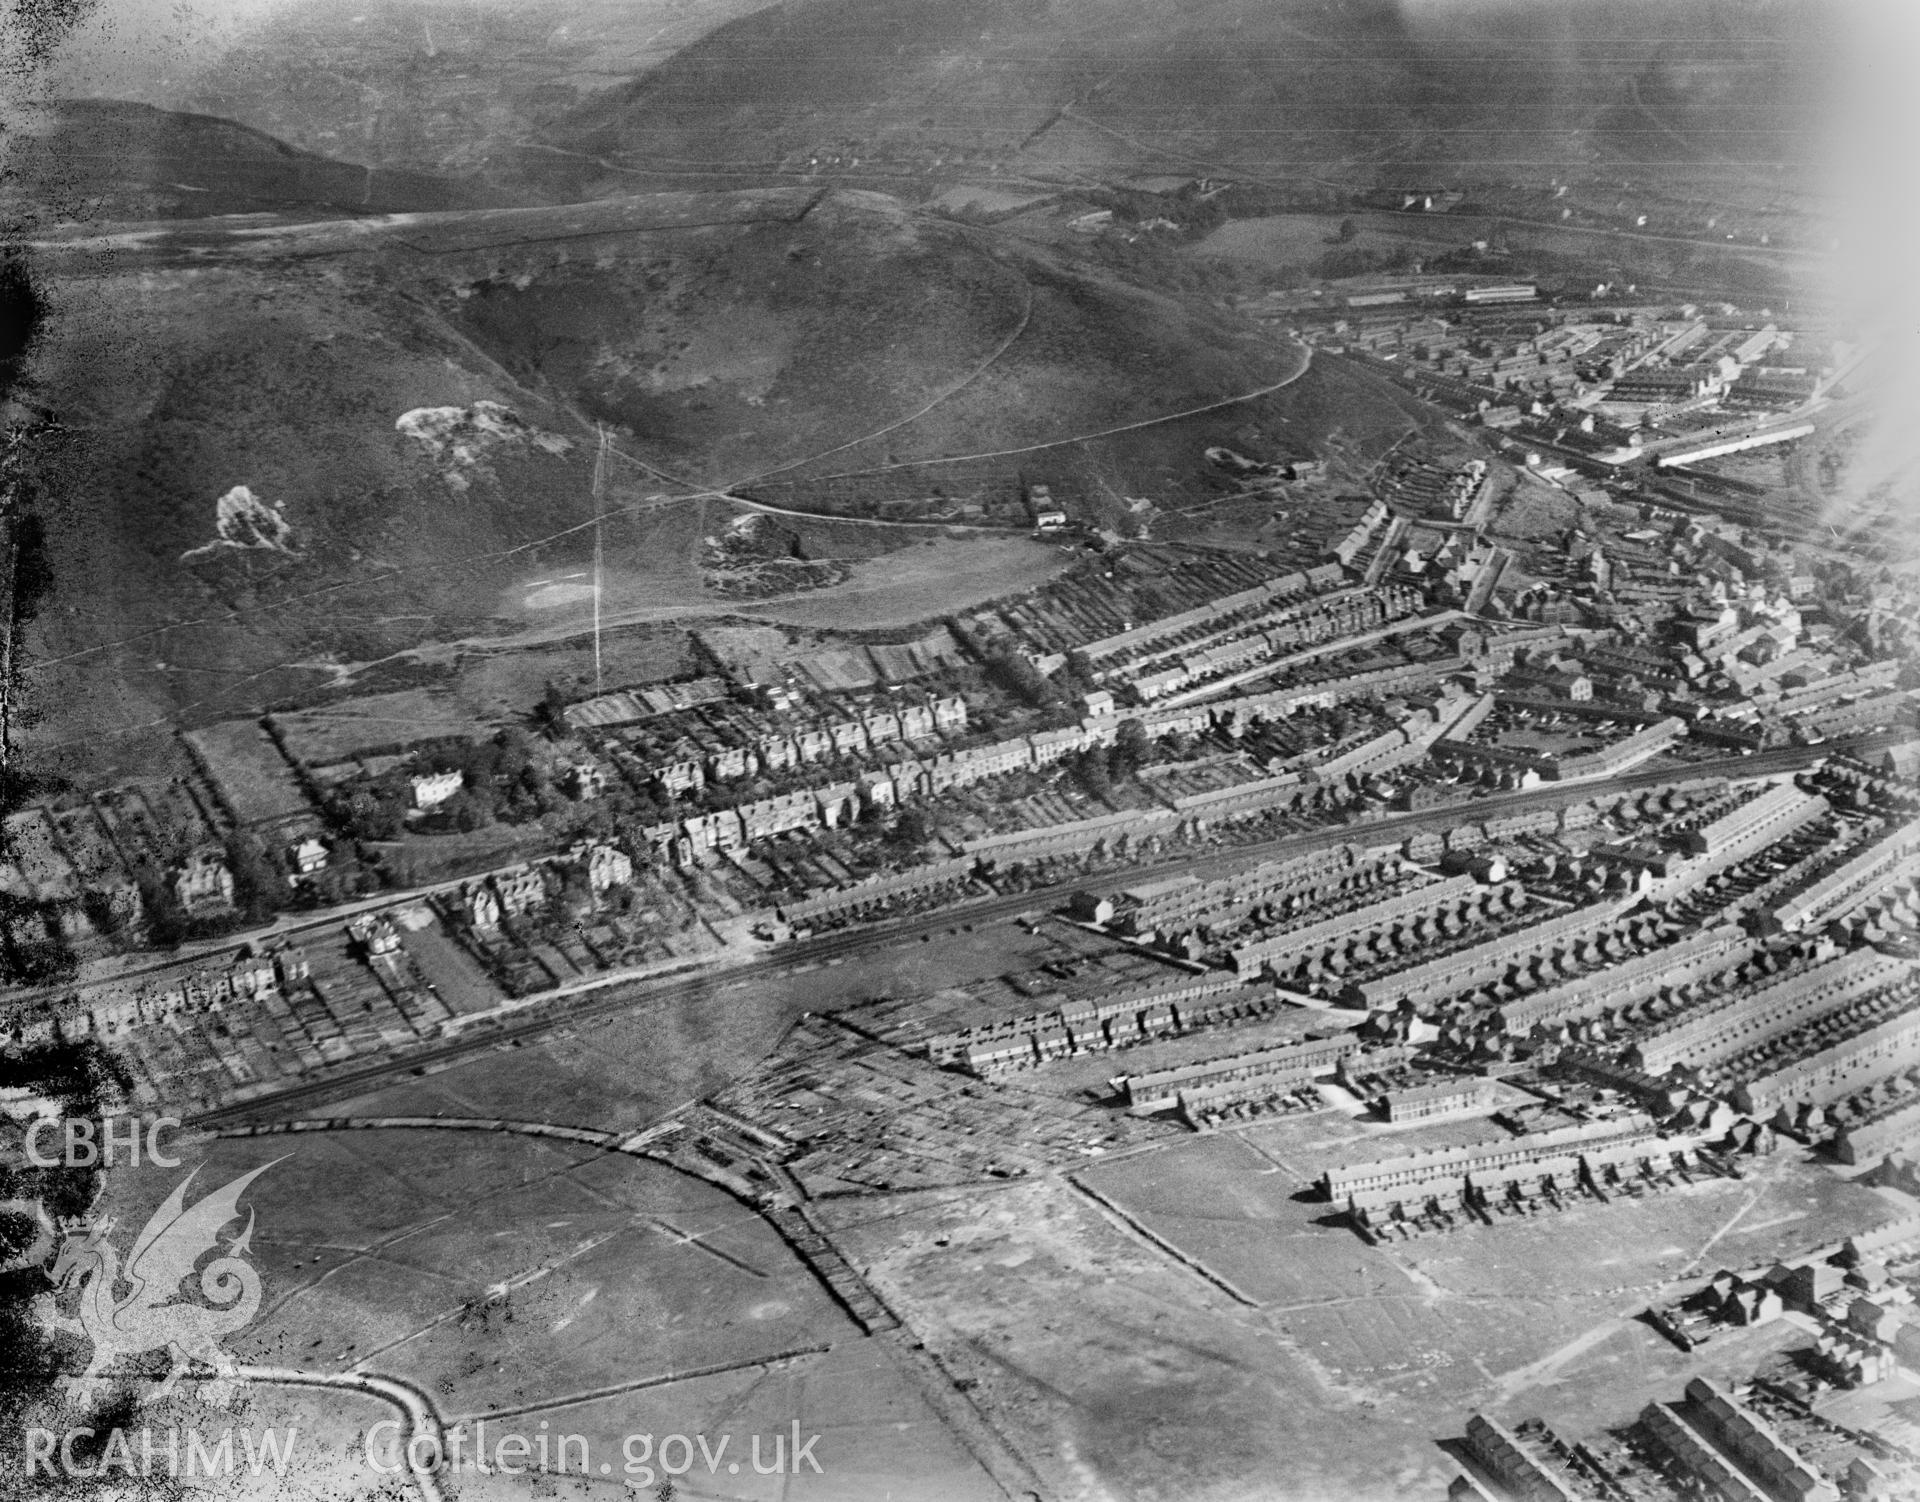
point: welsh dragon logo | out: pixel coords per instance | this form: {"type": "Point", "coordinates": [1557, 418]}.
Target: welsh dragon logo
{"type": "Point", "coordinates": [131, 1309]}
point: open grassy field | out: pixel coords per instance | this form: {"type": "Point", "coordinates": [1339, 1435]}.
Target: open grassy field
{"type": "Point", "coordinates": [493, 685]}
{"type": "Point", "coordinates": [336, 732]}
{"type": "Point", "coordinates": [1118, 1372]}
{"type": "Point", "coordinates": [1143, 1379]}
{"type": "Point", "coordinates": [1418, 1320]}
{"type": "Point", "coordinates": [250, 770]}
{"type": "Point", "coordinates": [1298, 240]}
{"type": "Point", "coordinates": [878, 1441]}
{"type": "Point", "coordinates": [518, 1280]}
{"type": "Point", "coordinates": [936, 577]}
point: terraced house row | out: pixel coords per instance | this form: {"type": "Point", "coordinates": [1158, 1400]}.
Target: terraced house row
{"type": "Point", "coordinates": [1882, 865]}
{"type": "Point", "coordinates": [1617, 756]}
{"type": "Point", "coordinates": [1450, 975]}
{"type": "Point", "coordinates": [1741, 1435]}
{"type": "Point", "coordinates": [1270, 627]}
{"type": "Point", "coordinates": [1660, 971]}
{"type": "Point", "coordinates": [686, 842]}
{"type": "Point", "coordinates": [1121, 645]}
{"type": "Point", "coordinates": [1768, 814]}
{"type": "Point", "coordinates": [1342, 613]}
{"type": "Point", "coordinates": [1180, 901]}
{"type": "Point", "coordinates": [1262, 1069]}
{"type": "Point", "coordinates": [1873, 677]}
{"type": "Point", "coordinates": [1092, 1024]}
{"type": "Point", "coordinates": [1407, 742]}
{"type": "Point", "coordinates": [1078, 611]}
{"type": "Point", "coordinates": [1837, 1070]}
{"type": "Point", "coordinates": [780, 751]}
{"type": "Point", "coordinates": [1567, 1156]}
{"type": "Point", "coordinates": [1749, 1017]}
{"type": "Point", "coordinates": [1235, 715]}
{"type": "Point", "coordinates": [1454, 900]}
{"type": "Point", "coordinates": [880, 892]}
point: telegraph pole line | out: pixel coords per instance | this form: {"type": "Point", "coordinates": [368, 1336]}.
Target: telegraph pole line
{"type": "Point", "coordinates": [599, 508]}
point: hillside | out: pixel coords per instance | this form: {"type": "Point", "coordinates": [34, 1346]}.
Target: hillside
{"type": "Point", "coordinates": [275, 462]}
{"type": "Point", "coordinates": [100, 159]}
{"type": "Point", "coordinates": [1355, 90]}
{"type": "Point", "coordinates": [430, 85]}
{"type": "Point", "coordinates": [550, 100]}
{"type": "Point", "coordinates": [761, 346]}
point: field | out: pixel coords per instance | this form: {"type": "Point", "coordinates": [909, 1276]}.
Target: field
{"type": "Point", "coordinates": [1120, 1373]}
{"type": "Point", "coordinates": [1534, 510]}
{"type": "Point", "coordinates": [338, 731]}
{"type": "Point", "coordinates": [979, 200]}
{"type": "Point", "coordinates": [1351, 1362]}
{"type": "Point", "coordinates": [519, 1275]}
{"type": "Point", "coordinates": [382, 1247]}
{"type": "Point", "coordinates": [934, 578]}
{"type": "Point", "coordinates": [1298, 240]}
{"type": "Point", "coordinates": [500, 686]}
{"type": "Point", "coordinates": [250, 771]}
{"type": "Point", "coordinates": [1401, 1318]}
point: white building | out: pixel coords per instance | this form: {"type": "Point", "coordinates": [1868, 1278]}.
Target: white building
{"type": "Point", "coordinates": [435, 788]}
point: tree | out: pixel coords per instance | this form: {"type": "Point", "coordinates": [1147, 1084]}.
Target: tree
{"type": "Point", "coordinates": [31, 953]}
{"type": "Point", "coordinates": [1131, 747]}
{"type": "Point", "coordinates": [259, 890]}
{"type": "Point", "coordinates": [516, 752]}
{"type": "Point", "coordinates": [1019, 677]}
{"type": "Point", "coordinates": [371, 812]}
{"type": "Point", "coordinates": [1090, 767]}
{"type": "Point", "coordinates": [1348, 231]}
{"type": "Point", "coordinates": [166, 923]}
{"type": "Point", "coordinates": [468, 811]}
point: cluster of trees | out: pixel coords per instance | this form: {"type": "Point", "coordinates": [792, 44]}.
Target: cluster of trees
{"type": "Point", "coordinates": [1097, 769]}
{"type": "Point", "coordinates": [1358, 260]}
{"type": "Point", "coordinates": [259, 886]}
{"type": "Point", "coordinates": [31, 950]}
{"type": "Point", "coordinates": [501, 782]}
{"type": "Point", "coordinates": [911, 831]}
{"type": "Point", "coordinates": [1194, 216]}
{"type": "Point", "coordinates": [1009, 671]}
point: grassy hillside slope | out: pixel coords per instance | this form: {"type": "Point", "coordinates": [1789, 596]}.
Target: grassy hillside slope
{"type": "Point", "coordinates": [718, 352]}
{"type": "Point", "coordinates": [99, 159]}
{"type": "Point", "coordinates": [1352, 89]}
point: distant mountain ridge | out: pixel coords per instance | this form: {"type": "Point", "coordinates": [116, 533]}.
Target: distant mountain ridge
{"type": "Point", "coordinates": [547, 100]}
{"type": "Point", "coordinates": [1362, 90]}
{"type": "Point", "coordinates": [440, 86]}
{"type": "Point", "coordinates": [106, 159]}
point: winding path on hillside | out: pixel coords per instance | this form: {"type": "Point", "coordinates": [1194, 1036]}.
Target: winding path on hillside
{"type": "Point", "coordinates": [1302, 362]}
{"type": "Point", "coordinates": [1304, 359]}
{"type": "Point", "coordinates": [1019, 328]}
